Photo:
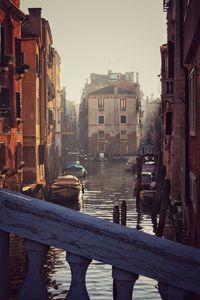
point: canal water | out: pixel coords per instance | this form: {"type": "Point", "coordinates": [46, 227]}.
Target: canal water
{"type": "Point", "coordinates": [107, 184]}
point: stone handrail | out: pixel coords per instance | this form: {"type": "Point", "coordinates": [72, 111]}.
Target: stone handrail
{"type": "Point", "coordinates": [126, 249]}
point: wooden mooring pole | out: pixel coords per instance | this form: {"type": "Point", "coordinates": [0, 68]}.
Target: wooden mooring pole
{"type": "Point", "coordinates": [163, 207]}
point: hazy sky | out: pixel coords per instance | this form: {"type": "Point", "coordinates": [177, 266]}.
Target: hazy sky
{"type": "Point", "coordinates": [94, 36]}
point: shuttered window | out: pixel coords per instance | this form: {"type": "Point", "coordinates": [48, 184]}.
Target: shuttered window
{"type": "Point", "coordinates": [100, 104]}
{"type": "Point", "coordinates": [123, 103]}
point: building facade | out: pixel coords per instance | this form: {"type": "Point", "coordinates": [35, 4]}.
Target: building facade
{"type": "Point", "coordinates": [110, 115]}
{"type": "Point", "coordinates": [41, 99]}
{"type": "Point", "coordinates": [180, 110]}
{"type": "Point", "coordinates": [12, 69]}
{"type": "Point", "coordinates": [113, 122]}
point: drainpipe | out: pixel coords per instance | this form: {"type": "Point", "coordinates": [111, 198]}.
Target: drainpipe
{"type": "Point", "coordinates": [185, 70]}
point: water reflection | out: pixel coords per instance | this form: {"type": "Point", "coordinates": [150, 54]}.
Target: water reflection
{"type": "Point", "coordinates": [106, 185]}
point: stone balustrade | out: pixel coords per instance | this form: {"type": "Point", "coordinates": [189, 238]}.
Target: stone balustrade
{"type": "Point", "coordinates": [131, 253]}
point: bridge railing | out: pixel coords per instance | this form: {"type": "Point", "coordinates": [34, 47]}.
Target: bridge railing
{"type": "Point", "coordinates": [131, 253]}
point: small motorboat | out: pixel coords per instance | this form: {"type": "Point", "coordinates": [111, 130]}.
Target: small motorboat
{"type": "Point", "coordinates": [67, 190]}
{"type": "Point", "coordinates": [75, 169]}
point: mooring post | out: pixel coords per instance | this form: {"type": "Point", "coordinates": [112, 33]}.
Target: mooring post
{"type": "Point", "coordinates": [116, 214]}
{"type": "Point", "coordinates": [116, 218]}
{"type": "Point", "coordinates": [123, 213]}
{"type": "Point", "coordinates": [163, 209]}
{"type": "Point", "coordinates": [139, 176]}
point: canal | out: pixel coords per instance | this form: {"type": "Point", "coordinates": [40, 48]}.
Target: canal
{"type": "Point", "coordinates": [107, 184]}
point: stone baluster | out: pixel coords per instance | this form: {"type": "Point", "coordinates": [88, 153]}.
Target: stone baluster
{"type": "Point", "coordinates": [33, 286]}
{"type": "Point", "coordinates": [4, 263]}
{"type": "Point", "coordinates": [78, 266]}
{"type": "Point", "coordinates": [124, 283]}
{"type": "Point", "coordinates": [169, 292]}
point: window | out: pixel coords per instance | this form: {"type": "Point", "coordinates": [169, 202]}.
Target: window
{"type": "Point", "coordinates": [101, 147]}
{"type": "Point", "coordinates": [101, 119]}
{"type": "Point", "coordinates": [123, 103]}
{"type": "Point", "coordinates": [193, 190]}
{"type": "Point", "coordinates": [170, 87]}
{"type": "Point", "coordinates": [101, 134]}
{"type": "Point", "coordinates": [192, 103]}
{"type": "Point", "coordinates": [1, 44]}
{"type": "Point", "coordinates": [37, 64]}
{"type": "Point", "coordinates": [168, 127]}
{"type": "Point", "coordinates": [18, 155]}
{"type": "Point", "coordinates": [18, 105]}
{"type": "Point", "coordinates": [123, 135]}
{"type": "Point", "coordinates": [18, 54]}
{"type": "Point", "coordinates": [4, 102]}
{"type": "Point", "coordinates": [41, 154]}
{"type": "Point", "coordinates": [50, 117]}
{"type": "Point", "coordinates": [123, 119]}
{"type": "Point", "coordinates": [2, 155]}
{"type": "Point", "coordinates": [100, 104]}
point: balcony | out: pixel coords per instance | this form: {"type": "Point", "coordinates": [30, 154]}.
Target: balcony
{"type": "Point", "coordinates": [21, 69]}
{"type": "Point", "coordinates": [51, 91]}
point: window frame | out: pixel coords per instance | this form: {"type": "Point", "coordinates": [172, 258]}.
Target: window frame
{"type": "Point", "coordinates": [100, 104]}
{"type": "Point", "coordinates": [123, 136]}
{"type": "Point", "coordinates": [123, 116]}
{"type": "Point", "coordinates": [103, 135]}
{"type": "Point", "coordinates": [101, 123]}
{"type": "Point", "coordinates": [123, 103]}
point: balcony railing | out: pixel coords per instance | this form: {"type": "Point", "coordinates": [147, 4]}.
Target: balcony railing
{"type": "Point", "coordinates": [175, 266]}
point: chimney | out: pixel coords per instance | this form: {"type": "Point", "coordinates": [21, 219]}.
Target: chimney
{"type": "Point", "coordinates": [137, 77]}
{"type": "Point", "coordinates": [33, 25]}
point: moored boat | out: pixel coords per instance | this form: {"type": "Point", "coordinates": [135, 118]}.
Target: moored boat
{"type": "Point", "coordinates": [67, 190]}
{"type": "Point", "coordinates": [147, 197]}
{"type": "Point", "coordinates": [75, 169]}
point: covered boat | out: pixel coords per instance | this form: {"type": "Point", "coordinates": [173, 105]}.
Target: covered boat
{"type": "Point", "coordinates": [67, 190]}
{"type": "Point", "coordinates": [75, 169]}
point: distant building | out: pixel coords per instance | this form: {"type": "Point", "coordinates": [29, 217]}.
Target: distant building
{"type": "Point", "coordinates": [151, 123]}
{"type": "Point", "coordinates": [110, 115]}
{"type": "Point", "coordinates": [71, 124]}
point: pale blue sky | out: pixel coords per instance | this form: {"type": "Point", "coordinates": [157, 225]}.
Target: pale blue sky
{"type": "Point", "coordinates": [94, 36]}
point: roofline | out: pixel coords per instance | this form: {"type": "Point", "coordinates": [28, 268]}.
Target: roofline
{"type": "Point", "coordinates": [15, 11]}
